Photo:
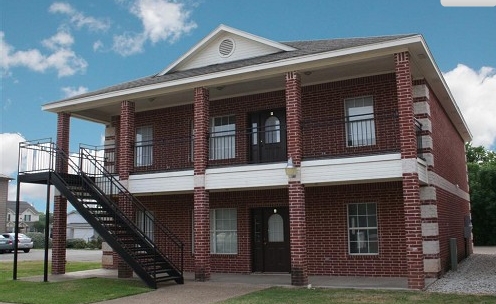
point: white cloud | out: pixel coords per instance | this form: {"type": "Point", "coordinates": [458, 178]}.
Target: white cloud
{"type": "Point", "coordinates": [60, 40]}
{"type": "Point", "coordinates": [9, 143]}
{"type": "Point", "coordinates": [128, 44]}
{"type": "Point", "coordinates": [72, 91]}
{"type": "Point", "coordinates": [79, 19]}
{"type": "Point", "coordinates": [63, 59]}
{"type": "Point", "coordinates": [97, 45]}
{"type": "Point", "coordinates": [9, 152]}
{"type": "Point", "coordinates": [162, 20]}
{"type": "Point", "coordinates": [475, 93]}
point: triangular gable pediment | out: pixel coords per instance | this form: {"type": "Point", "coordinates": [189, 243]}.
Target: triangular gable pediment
{"type": "Point", "coordinates": [225, 44]}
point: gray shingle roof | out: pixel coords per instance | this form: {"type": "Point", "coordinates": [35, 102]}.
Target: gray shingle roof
{"type": "Point", "coordinates": [23, 206]}
{"type": "Point", "coordinates": [303, 48]}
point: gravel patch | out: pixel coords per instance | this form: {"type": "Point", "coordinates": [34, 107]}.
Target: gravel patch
{"type": "Point", "coordinates": [475, 275]}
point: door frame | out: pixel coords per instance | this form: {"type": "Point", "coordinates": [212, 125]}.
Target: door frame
{"type": "Point", "coordinates": [257, 142]}
{"type": "Point", "coordinates": [260, 245]}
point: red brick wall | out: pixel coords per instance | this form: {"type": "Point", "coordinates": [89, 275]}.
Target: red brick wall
{"type": "Point", "coordinates": [126, 139]}
{"type": "Point", "coordinates": [448, 147]}
{"type": "Point", "coordinates": [172, 135]}
{"type": "Point", "coordinates": [326, 227]}
{"type": "Point", "coordinates": [449, 163]}
{"type": "Point", "coordinates": [60, 203]}
{"type": "Point", "coordinates": [326, 209]}
{"type": "Point", "coordinates": [323, 123]}
{"type": "Point", "coordinates": [451, 211]}
{"type": "Point", "coordinates": [323, 111]}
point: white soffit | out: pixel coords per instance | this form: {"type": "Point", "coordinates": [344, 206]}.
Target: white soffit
{"type": "Point", "coordinates": [223, 45]}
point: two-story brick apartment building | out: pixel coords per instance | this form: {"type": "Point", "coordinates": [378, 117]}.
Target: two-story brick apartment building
{"type": "Point", "coordinates": [331, 157]}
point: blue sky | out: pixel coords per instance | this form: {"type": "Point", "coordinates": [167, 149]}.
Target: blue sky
{"type": "Point", "coordinates": [53, 49]}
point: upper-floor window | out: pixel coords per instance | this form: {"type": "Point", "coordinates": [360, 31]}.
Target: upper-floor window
{"type": "Point", "coordinates": [8, 217]}
{"type": "Point", "coordinates": [27, 217]}
{"type": "Point", "coordinates": [360, 125]}
{"type": "Point", "coordinates": [362, 228]}
{"type": "Point", "coordinates": [144, 146]}
{"type": "Point", "coordinates": [222, 137]}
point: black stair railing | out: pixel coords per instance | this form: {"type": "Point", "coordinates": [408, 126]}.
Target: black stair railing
{"type": "Point", "coordinates": [170, 245]}
{"type": "Point", "coordinates": [94, 192]}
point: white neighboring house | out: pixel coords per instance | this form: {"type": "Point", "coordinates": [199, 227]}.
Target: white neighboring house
{"type": "Point", "coordinates": [78, 227]}
{"type": "Point", "coordinates": [28, 215]}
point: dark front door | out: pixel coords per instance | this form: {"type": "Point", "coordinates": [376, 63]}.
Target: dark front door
{"type": "Point", "coordinates": [268, 136]}
{"type": "Point", "coordinates": [271, 251]}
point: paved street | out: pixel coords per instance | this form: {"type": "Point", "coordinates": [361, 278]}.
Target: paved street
{"type": "Point", "coordinates": [73, 255]}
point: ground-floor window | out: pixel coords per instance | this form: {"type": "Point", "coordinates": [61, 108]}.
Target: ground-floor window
{"type": "Point", "coordinates": [223, 231]}
{"type": "Point", "coordinates": [362, 228]}
{"type": "Point", "coordinates": [144, 221]}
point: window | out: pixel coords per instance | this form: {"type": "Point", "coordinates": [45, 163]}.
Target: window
{"type": "Point", "coordinates": [144, 221]}
{"type": "Point", "coordinates": [8, 217]}
{"type": "Point", "coordinates": [276, 228]}
{"type": "Point", "coordinates": [360, 125]}
{"type": "Point", "coordinates": [362, 228]}
{"type": "Point", "coordinates": [144, 146]}
{"type": "Point", "coordinates": [223, 231]}
{"type": "Point", "coordinates": [272, 130]}
{"type": "Point", "coordinates": [222, 137]}
{"type": "Point", "coordinates": [192, 142]}
{"type": "Point", "coordinates": [27, 217]}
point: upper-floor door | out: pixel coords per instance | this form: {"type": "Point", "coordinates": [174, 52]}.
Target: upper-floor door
{"type": "Point", "coordinates": [268, 136]}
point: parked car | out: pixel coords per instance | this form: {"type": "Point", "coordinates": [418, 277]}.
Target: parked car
{"type": "Point", "coordinates": [24, 242]}
{"type": "Point", "coordinates": [4, 244]}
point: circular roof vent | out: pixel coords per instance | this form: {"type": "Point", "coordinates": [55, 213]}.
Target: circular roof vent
{"type": "Point", "coordinates": [226, 47]}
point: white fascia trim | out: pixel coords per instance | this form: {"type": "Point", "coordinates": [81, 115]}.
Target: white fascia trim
{"type": "Point", "coordinates": [161, 175]}
{"type": "Point", "coordinates": [351, 160]}
{"type": "Point", "coordinates": [218, 30]}
{"type": "Point", "coordinates": [247, 168]}
{"type": "Point", "coordinates": [274, 67]}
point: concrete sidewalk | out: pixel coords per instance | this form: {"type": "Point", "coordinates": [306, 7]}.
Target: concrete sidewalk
{"type": "Point", "coordinates": [225, 286]}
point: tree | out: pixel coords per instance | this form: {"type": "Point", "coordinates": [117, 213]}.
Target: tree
{"type": "Point", "coordinates": [481, 164]}
{"type": "Point", "coordinates": [40, 224]}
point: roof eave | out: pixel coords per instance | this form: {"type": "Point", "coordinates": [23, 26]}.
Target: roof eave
{"type": "Point", "coordinates": [213, 78]}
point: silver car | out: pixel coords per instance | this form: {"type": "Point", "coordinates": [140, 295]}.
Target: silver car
{"type": "Point", "coordinates": [25, 243]}
{"type": "Point", "coordinates": [4, 244]}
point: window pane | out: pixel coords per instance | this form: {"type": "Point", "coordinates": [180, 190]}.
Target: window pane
{"type": "Point", "coordinates": [144, 146]}
{"type": "Point", "coordinates": [222, 138]}
{"type": "Point", "coordinates": [360, 124]}
{"type": "Point", "coordinates": [223, 228]}
{"type": "Point", "coordinates": [276, 228]}
{"type": "Point", "coordinates": [362, 228]}
{"type": "Point", "coordinates": [272, 130]}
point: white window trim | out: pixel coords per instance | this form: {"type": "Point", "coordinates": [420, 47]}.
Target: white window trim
{"type": "Point", "coordinates": [139, 159]}
{"type": "Point", "coordinates": [213, 231]}
{"type": "Point", "coordinates": [226, 140]}
{"type": "Point", "coordinates": [362, 228]}
{"type": "Point", "coordinates": [373, 138]}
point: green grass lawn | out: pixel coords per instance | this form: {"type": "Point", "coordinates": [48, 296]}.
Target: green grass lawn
{"type": "Point", "coordinates": [344, 296]}
{"type": "Point", "coordinates": [69, 292]}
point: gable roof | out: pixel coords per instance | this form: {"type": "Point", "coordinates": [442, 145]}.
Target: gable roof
{"type": "Point", "coordinates": [263, 58]}
{"type": "Point", "coordinates": [296, 49]}
{"type": "Point", "coordinates": [23, 207]}
{"type": "Point", "coordinates": [195, 57]}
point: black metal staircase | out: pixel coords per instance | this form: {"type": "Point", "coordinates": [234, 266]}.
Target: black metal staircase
{"type": "Point", "coordinates": [108, 207]}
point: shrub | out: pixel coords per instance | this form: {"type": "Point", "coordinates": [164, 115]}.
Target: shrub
{"type": "Point", "coordinates": [76, 244]}
{"type": "Point", "coordinates": [39, 240]}
{"type": "Point", "coordinates": [95, 243]}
